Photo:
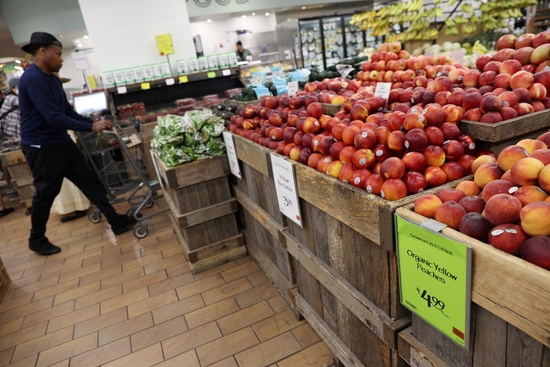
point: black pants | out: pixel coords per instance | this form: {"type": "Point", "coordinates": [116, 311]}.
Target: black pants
{"type": "Point", "coordinates": [49, 165]}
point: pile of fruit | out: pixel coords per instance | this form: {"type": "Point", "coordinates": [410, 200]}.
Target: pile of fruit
{"type": "Point", "coordinates": [506, 205]}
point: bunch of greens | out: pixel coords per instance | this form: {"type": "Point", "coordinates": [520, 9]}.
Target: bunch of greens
{"type": "Point", "coordinates": [181, 139]}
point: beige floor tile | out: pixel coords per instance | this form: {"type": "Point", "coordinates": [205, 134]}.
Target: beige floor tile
{"type": "Point", "coordinates": [305, 335]}
{"type": "Point", "coordinates": [34, 286]}
{"type": "Point", "coordinates": [67, 350]}
{"type": "Point", "coordinates": [246, 317]}
{"type": "Point", "coordinates": [23, 350]}
{"type": "Point", "coordinates": [124, 300]}
{"type": "Point", "coordinates": [228, 345]}
{"type": "Point", "coordinates": [73, 318]}
{"type": "Point", "coordinates": [64, 363]}
{"type": "Point", "coordinates": [77, 273]}
{"type": "Point", "coordinates": [32, 264]}
{"type": "Point", "coordinates": [276, 325]}
{"type": "Point", "coordinates": [27, 309]}
{"type": "Point", "coordinates": [158, 333]}
{"type": "Point", "coordinates": [107, 253]}
{"type": "Point", "coordinates": [125, 276]}
{"type": "Point", "coordinates": [216, 270]}
{"type": "Point", "coordinates": [178, 269]}
{"type": "Point", "coordinates": [11, 326]}
{"type": "Point", "coordinates": [100, 275]}
{"type": "Point", "coordinates": [120, 260]}
{"type": "Point", "coordinates": [152, 303]}
{"type": "Point", "coordinates": [239, 271]}
{"type": "Point", "coordinates": [59, 270]}
{"type": "Point", "coordinates": [98, 297]}
{"type": "Point", "coordinates": [170, 283]}
{"type": "Point", "coordinates": [211, 313]}
{"type": "Point", "coordinates": [278, 303]}
{"type": "Point", "coordinates": [22, 336]}
{"type": "Point", "coordinates": [226, 290]}
{"type": "Point", "coordinates": [257, 278]}
{"type": "Point", "coordinates": [190, 339]}
{"type": "Point", "coordinates": [144, 281]}
{"type": "Point", "coordinates": [142, 358]}
{"type": "Point", "coordinates": [176, 309]}
{"type": "Point", "coordinates": [269, 352]}
{"type": "Point", "coordinates": [103, 354]}
{"type": "Point", "coordinates": [100, 322]}
{"type": "Point", "coordinates": [77, 292]}
{"type": "Point", "coordinates": [164, 263]}
{"type": "Point", "coordinates": [5, 356]}
{"type": "Point", "coordinates": [19, 282]}
{"type": "Point", "coordinates": [25, 362]}
{"type": "Point", "coordinates": [187, 359]}
{"type": "Point", "coordinates": [257, 294]}
{"type": "Point", "coordinates": [80, 255]}
{"type": "Point", "coordinates": [142, 261]}
{"type": "Point", "coordinates": [227, 362]}
{"type": "Point", "coordinates": [56, 289]}
{"type": "Point", "coordinates": [172, 251]}
{"type": "Point", "coordinates": [125, 328]}
{"type": "Point", "coordinates": [154, 246]}
{"type": "Point", "coordinates": [318, 355]}
{"type": "Point", "coordinates": [47, 314]}
{"type": "Point", "coordinates": [15, 302]}
{"type": "Point", "coordinates": [199, 286]}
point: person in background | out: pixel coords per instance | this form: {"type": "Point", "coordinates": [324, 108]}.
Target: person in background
{"type": "Point", "coordinates": [242, 52]}
{"type": "Point", "coordinates": [10, 117]}
{"type": "Point", "coordinates": [51, 154]}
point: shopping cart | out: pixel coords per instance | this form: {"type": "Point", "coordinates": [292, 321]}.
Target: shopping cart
{"type": "Point", "coordinates": [117, 158]}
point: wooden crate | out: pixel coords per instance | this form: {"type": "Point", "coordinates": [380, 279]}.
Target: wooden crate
{"type": "Point", "coordinates": [203, 211]}
{"type": "Point", "coordinates": [146, 136]}
{"type": "Point", "coordinates": [4, 280]}
{"type": "Point", "coordinates": [511, 304]}
{"type": "Point", "coordinates": [498, 136]}
{"type": "Point", "coordinates": [330, 109]}
{"type": "Point", "coordinates": [21, 175]}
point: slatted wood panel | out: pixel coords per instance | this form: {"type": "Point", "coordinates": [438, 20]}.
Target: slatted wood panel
{"type": "Point", "coordinates": [21, 175]}
{"type": "Point", "coordinates": [498, 146]}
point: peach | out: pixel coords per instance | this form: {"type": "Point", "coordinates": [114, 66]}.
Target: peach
{"type": "Point", "coordinates": [373, 184]}
{"type": "Point", "coordinates": [415, 182]}
{"type": "Point", "coordinates": [472, 204]}
{"type": "Point", "coordinates": [486, 173]}
{"type": "Point", "coordinates": [393, 189]}
{"type": "Point", "coordinates": [530, 194]}
{"type": "Point", "coordinates": [502, 208]}
{"type": "Point", "coordinates": [359, 178]}
{"type": "Point", "coordinates": [396, 141]}
{"type": "Point", "coordinates": [453, 170]}
{"type": "Point", "coordinates": [435, 155]}
{"type": "Point", "coordinates": [435, 176]}
{"type": "Point", "coordinates": [346, 154]}
{"type": "Point", "coordinates": [365, 139]}
{"type": "Point", "coordinates": [468, 187]}
{"type": "Point", "coordinates": [392, 167]}
{"type": "Point", "coordinates": [450, 213]}
{"type": "Point", "coordinates": [416, 140]}
{"type": "Point", "coordinates": [348, 135]}
{"type": "Point", "coordinates": [333, 168]}
{"type": "Point", "coordinates": [496, 187]}
{"type": "Point", "coordinates": [346, 172]}
{"type": "Point", "coordinates": [450, 194]}
{"type": "Point", "coordinates": [508, 99]}
{"type": "Point", "coordinates": [531, 145]}
{"type": "Point", "coordinates": [435, 135]}
{"type": "Point", "coordinates": [475, 225]}
{"type": "Point", "coordinates": [542, 155]}
{"type": "Point", "coordinates": [434, 115]}
{"type": "Point", "coordinates": [508, 113]}
{"type": "Point", "coordinates": [426, 205]}
{"type": "Point", "coordinates": [453, 150]}
{"type": "Point", "coordinates": [510, 155]}
{"type": "Point", "coordinates": [536, 250]}
{"type": "Point", "coordinates": [525, 171]}
{"type": "Point", "coordinates": [508, 238]}
{"type": "Point", "coordinates": [414, 161]}
{"type": "Point", "coordinates": [522, 79]}
{"type": "Point", "coordinates": [538, 91]}
{"type": "Point", "coordinates": [363, 158]}
{"type": "Point", "coordinates": [544, 178]}
{"type": "Point", "coordinates": [534, 218]}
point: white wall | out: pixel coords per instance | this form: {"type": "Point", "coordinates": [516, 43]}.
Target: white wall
{"type": "Point", "coordinates": [123, 31]}
{"type": "Point", "coordinates": [221, 34]}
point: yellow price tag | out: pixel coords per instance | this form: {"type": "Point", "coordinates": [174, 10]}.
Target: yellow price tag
{"type": "Point", "coordinates": [211, 74]}
{"type": "Point", "coordinates": [164, 44]}
{"type": "Point", "coordinates": [145, 86]}
{"type": "Point", "coordinates": [183, 79]}
{"type": "Point", "coordinates": [91, 82]}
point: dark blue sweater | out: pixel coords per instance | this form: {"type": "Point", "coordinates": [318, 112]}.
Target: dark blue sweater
{"type": "Point", "coordinates": [46, 115]}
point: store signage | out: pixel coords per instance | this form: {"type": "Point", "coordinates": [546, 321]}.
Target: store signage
{"type": "Point", "coordinates": [91, 82]}
{"type": "Point", "coordinates": [121, 90]}
{"type": "Point", "coordinates": [183, 79]}
{"type": "Point", "coordinates": [226, 72]}
{"type": "Point", "coordinates": [211, 74]}
{"type": "Point", "coordinates": [435, 278]}
{"type": "Point", "coordinates": [285, 187]}
{"type": "Point", "coordinates": [382, 90]}
{"type": "Point", "coordinates": [145, 86]}
{"type": "Point", "coordinates": [164, 44]}
{"type": "Point", "coordinates": [170, 81]}
{"type": "Point", "coordinates": [80, 60]}
{"type": "Point", "coordinates": [231, 154]}
{"type": "Point", "coordinates": [292, 88]}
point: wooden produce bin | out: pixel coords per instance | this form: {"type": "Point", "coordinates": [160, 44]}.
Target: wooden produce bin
{"type": "Point", "coordinates": [510, 324]}
{"type": "Point", "coordinates": [21, 175]}
{"type": "Point", "coordinates": [498, 136]}
{"type": "Point", "coordinates": [264, 223]}
{"type": "Point", "coordinates": [199, 196]}
{"type": "Point", "coordinates": [4, 280]}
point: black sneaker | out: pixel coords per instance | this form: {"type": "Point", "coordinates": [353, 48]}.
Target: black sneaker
{"type": "Point", "coordinates": [43, 246]}
{"type": "Point", "coordinates": [123, 224]}
{"type": "Point", "coordinates": [6, 211]}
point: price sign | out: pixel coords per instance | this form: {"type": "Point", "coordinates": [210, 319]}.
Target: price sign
{"type": "Point", "coordinates": [121, 90]}
{"type": "Point", "coordinates": [226, 72]}
{"type": "Point", "coordinates": [292, 88]}
{"type": "Point", "coordinates": [285, 187]}
{"type": "Point", "coordinates": [435, 278]}
{"type": "Point", "coordinates": [382, 90]}
{"type": "Point", "coordinates": [183, 79]}
{"type": "Point", "coordinates": [145, 86]}
{"type": "Point", "coordinates": [211, 74]}
{"type": "Point", "coordinates": [231, 154]}
{"type": "Point", "coordinates": [91, 82]}
{"type": "Point", "coordinates": [170, 81]}
{"type": "Point", "coordinates": [164, 44]}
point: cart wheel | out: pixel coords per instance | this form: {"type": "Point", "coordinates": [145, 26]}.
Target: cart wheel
{"type": "Point", "coordinates": [130, 212]}
{"type": "Point", "coordinates": [139, 215]}
{"type": "Point", "coordinates": [139, 232]}
{"type": "Point", "coordinates": [94, 217]}
{"type": "Point", "coordinates": [149, 203]}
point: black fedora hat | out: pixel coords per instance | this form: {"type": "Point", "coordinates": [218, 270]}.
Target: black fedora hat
{"type": "Point", "coordinates": [41, 38]}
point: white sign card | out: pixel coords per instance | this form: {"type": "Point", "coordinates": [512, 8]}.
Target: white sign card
{"type": "Point", "coordinates": [170, 81]}
{"type": "Point", "coordinates": [383, 90]}
{"type": "Point", "coordinates": [231, 154]}
{"type": "Point", "coordinates": [80, 60]}
{"type": "Point", "coordinates": [121, 90]}
{"type": "Point", "coordinates": [226, 72]}
{"type": "Point", "coordinates": [292, 88]}
{"type": "Point", "coordinates": [285, 187]}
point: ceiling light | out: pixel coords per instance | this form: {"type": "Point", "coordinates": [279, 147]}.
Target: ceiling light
{"type": "Point", "coordinates": [18, 61]}
{"type": "Point", "coordinates": [79, 45]}
{"type": "Point", "coordinates": [303, 8]}
{"type": "Point", "coordinates": [253, 13]}
{"type": "Point", "coordinates": [85, 37]}
{"type": "Point", "coordinates": [243, 16]}
{"type": "Point", "coordinates": [209, 20]}
{"type": "Point", "coordinates": [266, 14]}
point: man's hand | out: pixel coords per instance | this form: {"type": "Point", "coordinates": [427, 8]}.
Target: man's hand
{"type": "Point", "coordinates": [102, 125]}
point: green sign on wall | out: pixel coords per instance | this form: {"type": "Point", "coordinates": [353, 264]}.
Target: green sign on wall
{"type": "Point", "coordinates": [435, 278]}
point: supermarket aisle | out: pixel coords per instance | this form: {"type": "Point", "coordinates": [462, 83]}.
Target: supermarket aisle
{"type": "Point", "coordinates": [116, 301]}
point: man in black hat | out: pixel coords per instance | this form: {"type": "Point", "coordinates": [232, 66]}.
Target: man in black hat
{"type": "Point", "coordinates": [50, 152]}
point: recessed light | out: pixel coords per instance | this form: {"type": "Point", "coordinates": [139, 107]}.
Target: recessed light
{"type": "Point", "coordinates": [85, 37]}
{"type": "Point", "coordinates": [266, 14]}
{"type": "Point", "coordinates": [209, 20]}
{"type": "Point", "coordinates": [303, 7]}
{"type": "Point", "coordinates": [79, 45]}
{"type": "Point", "coordinates": [243, 16]}
{"type": "Point", "coordinates": [253, 13]}
{"type": "Point", "coordinates": [18, 61]}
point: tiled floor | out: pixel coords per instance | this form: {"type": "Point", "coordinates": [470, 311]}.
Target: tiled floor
{"type": "Point", "coordinates": [116, 301]}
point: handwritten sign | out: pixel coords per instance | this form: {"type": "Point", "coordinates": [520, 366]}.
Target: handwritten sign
{"type": "Point", "coordinates": [121, 90]}
{"type": "Point", "coordinates": [145, 86]}
{"type": "Point", "coordinates": [435, 278]}
{"type": "Point", "coordinates": [231, 154]}
{"type": "Point", "coordinates": [226, 72]}
{"type": "Point", "coordinates": [183, 79]}
{"type": "Point", "coordinates": [211, 74]}
{"type": "Point", "coordinates": [164, 44]}
{"type": "Point", "coordinates": [285, 187]}
{"type": "Point", "coordinates": [292, 88]}
{"type": "Point", "coordinates": [382, 90]}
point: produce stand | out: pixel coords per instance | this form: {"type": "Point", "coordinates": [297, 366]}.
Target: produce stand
{"type": "Point", "coordinates": [199, 196]}
{"type": "Point", "coordinates": [510, 307]}
{"type": "Point", "coordinates": [4, 279]}
{"type": "Point", "coordinates": [21, 175]}
{"type": "Point", "coordinates": [502, 134]}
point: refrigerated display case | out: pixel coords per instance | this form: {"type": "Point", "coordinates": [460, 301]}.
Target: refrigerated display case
{"type": "Point", "coordinates": [326, 40]}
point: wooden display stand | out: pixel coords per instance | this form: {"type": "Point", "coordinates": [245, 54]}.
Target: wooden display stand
{"type": "Point", "coordinates": [498, 136]}
{"type": "Point", "coordinates": [203, 209]}
{"type": "Point", "coordinates": [4, 280]}
{"type": "Point", "coordinates": [21, 175]}
{"type": "Point", "coordinates": [510, 306]}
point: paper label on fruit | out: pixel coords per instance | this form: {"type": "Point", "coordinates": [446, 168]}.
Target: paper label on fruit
{"type": "Point", "coordinates": [435, 279]}
{"type": "Point", "coordinates": [285, 187]}
{"type": "Point", "coordinates": [382, 90]}
{"type": "Point", "coordinates": [231, 154]}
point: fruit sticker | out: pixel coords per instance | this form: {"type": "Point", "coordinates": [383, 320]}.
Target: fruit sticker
{"type": "Point", "coordinates": [435, 278]}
